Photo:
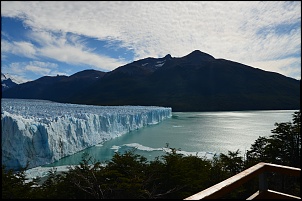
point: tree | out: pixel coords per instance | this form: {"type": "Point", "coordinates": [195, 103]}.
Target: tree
{"type": "Point", "coordinates": [287, 140]}
{"type": "Point", "coordinates": [282, 147]}
{"type": "Point", "coordinates": [84, 179]}
{"type": "Point", "coordinates": [14, 185]}
{"type": "Point", "coordinates": [232, 162]}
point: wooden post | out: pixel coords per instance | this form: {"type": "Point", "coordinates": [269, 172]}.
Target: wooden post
{"type": "Point", "coordinates": [263, 184]}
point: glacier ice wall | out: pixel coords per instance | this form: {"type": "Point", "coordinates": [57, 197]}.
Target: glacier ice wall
{"type": "Point", "coordinates": [41, 132]}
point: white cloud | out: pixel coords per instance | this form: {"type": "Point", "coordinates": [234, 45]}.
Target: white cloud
{"type": "Point", "coordinates": [44, 64]}
{"type": "Point", "coordinates": [71, 50]}
{"type": "Point", "coordinates": [230, 30]}
{"type": "Point", "coordinates": [73, 55]}
{"type": "Point", "coordinates": [14, 68]}
{"type": "Point", "coordinates": [37, 67]}
{"type": "Point", "coordinates": [22, 48]}
{"type": "Point", "coordinates": [288, 66]}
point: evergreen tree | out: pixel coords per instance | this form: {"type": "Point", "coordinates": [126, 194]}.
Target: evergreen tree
{"type": "Point", "coordinates": [283, 147]}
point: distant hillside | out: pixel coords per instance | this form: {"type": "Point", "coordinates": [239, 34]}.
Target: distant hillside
{"type": "Point", "coordinates": [7, 81]}
{"type": "Point", "coordinates": [55, 88]}
{"type": "Point", "coordinates": [195, 82]}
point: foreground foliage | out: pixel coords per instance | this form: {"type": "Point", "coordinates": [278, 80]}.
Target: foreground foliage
{"type": "Point", "coordinates": [171, 176]}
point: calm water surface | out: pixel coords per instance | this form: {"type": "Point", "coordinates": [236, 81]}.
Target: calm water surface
{"type": "Point", "coordinates": [201, 133]}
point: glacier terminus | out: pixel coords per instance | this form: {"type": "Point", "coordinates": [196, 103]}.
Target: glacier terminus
{"type": "Point", "coordinates": [39, 132]}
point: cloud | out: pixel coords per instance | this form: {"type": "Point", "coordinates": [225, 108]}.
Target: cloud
{"type": "Point", "coordinates": [40, 68]}
{"type": "Point", "coordinates": [37, 69]}
{"type": "Point", "coordinates": [20, 69]}
{"type": "Point", "coordinates": [21, 48]}
{"type": "Point", "coordinates": [247, 32]}
{"type": "Point", "coordinates": [287, 66]}
{"type": "Point", "coordinates": [73, 55]}
{"type": "Point", "coordinates": [70, 49]}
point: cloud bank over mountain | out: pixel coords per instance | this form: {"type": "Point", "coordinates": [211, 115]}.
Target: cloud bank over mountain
{"type": "Point", "coordinates": [106, 35]}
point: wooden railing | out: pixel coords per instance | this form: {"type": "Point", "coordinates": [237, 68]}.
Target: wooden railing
{"type": "Point", "coordinates": [260, 170]}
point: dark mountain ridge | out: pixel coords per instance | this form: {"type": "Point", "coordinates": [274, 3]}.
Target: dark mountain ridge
{"type": "Point", "coordinates": [55, 88]}
{"type": "Point", "coordinates": [7, 82]}
{"type": "Point", "coordinates": [195, 82]}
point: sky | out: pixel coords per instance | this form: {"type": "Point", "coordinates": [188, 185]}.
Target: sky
{"type": "Point", "coordinates": [49, 38]}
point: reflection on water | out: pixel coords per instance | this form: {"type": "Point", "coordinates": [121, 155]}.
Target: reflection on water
{"type": "Point", "coordinates": [195, 133]}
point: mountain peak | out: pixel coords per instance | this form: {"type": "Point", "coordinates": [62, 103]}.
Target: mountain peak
{"type": "Point", "coordinates": [7, 82]}
{"type": "Point", "coordinates": [198, 55]}
{"type": "Point", "coordinates": [6, 76]}
{"type": "Point", "coordinates": [168, 56]}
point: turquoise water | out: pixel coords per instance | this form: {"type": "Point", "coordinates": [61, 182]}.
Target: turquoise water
{"type": "Point", "coordinates": [196, 133]}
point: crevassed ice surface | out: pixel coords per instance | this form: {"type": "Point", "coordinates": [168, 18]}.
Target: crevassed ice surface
{"type": "Point", "coordinates": [41, 132]}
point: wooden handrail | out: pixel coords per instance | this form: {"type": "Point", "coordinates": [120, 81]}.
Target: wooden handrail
{"type": "Point", "coordinates": [235, 181]}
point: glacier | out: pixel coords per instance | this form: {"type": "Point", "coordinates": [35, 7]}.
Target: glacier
{"type": "Point", "coordinates": [39, 132]}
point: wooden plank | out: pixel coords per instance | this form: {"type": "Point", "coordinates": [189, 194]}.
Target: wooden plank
{"type": "Point", "coordinates": [254, 196]}
{"type": "Point", "coordinates": [277, 195]}
{"type": "Point", "coordinates": [237, 180]}
{"type": "Point", "coordinates": [270, 194]}
{"type": "Point", "coordinates": [229, 184]}
{"type": "Point", "coordinates": [282, 169]}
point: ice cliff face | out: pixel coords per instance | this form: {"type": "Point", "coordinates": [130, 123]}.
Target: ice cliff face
{"type": "Point", "coordinates": [41, 132]}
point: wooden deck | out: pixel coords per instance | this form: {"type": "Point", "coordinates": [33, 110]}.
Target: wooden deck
{"type": "Point", "coordinates": [260, 170]}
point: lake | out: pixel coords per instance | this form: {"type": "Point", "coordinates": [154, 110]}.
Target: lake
{"type": "Point", "coordinates": [196, 133]}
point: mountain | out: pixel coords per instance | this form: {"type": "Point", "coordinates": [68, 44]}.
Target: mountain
{"type": "Point", "coordinates": [56, 88]}
{"type": "Point", "coordinates": [194, 82]}
{"type": "Point", "coordinates": [8, 81]}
